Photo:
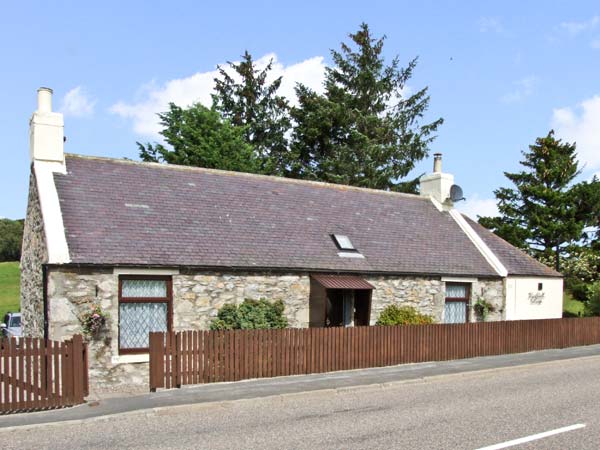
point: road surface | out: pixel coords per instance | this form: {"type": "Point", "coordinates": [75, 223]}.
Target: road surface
{"type": "Point", "coordinates": [553, 405]}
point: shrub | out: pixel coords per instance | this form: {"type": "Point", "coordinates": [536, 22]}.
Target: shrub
{"type": "Point", "coordinates": [592, 306]}
{"type": "Point", "coordinates": [403, 315]}
{"type": "Point", "coordinates": [250, 315]}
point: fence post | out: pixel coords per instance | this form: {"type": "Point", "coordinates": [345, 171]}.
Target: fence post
{"type": "Point", "coordinates": [157, 360]}
{"type": "Point", "coordinates": [77, 368]}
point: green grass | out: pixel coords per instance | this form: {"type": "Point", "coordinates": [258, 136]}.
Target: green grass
{"type": "Point", "coordinates": [9, 288]}
{"type": "Point", "coordinates": [571, 305]}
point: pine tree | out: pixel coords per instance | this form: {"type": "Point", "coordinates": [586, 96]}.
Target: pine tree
{"type": "Point", "coordinates": [245, 96]}
{"type": "Point", "coordinates": [199, 136]}
{"type": "Point", "coordinates": [364, 130]}
{"type": "Point", "coordinates": [541, 212]}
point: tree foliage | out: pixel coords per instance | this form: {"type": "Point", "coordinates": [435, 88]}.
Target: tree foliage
{"type": "Point", "coordinates": [250, 315]}
{"type": "Point", "coordinates": [541, 212]}
{"type": "Point", "coordinates": [245, 96]}
{"type": "Point", "coordinates": [364, 130]}
{"type": "Point", "coordinates": [199, 136]}
{"type": "Point", "coordinates": [11, 237]}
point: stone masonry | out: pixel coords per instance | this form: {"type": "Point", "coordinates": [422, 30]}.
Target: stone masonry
{"type": "Point", "coordinates": [424, 294]}
{"type": "Point", "coordinates": [34, 254]}
{"type": "Point", "coordinates": [197, 297]}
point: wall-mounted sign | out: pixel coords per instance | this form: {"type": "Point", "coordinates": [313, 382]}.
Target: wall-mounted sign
{"type": "Point", "coordinates": [536, 298]}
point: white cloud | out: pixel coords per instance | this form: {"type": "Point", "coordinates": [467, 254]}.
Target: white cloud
{"type": "Point", "coordinates": [198, 87]}
{"type": "Point", "coordinates": [477, 206]}
{"type": "Point", "coordinates": [77, 103]}
{"type": "Point", "coordinates": [595, 44]}
{"type": "Point", "coordinates": [575, 28]}
{"type": "Point", "coordinates": [581, 125]}
{"type": "Point", "coordinates": [491, 24]}
{"type": "Point", "coordinates": [523, 88]}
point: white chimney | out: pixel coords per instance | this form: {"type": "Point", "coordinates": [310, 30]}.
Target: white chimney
{"type": "Point", "coordinates": [437, 184]}
{"type": "Point", "coordinates": [46, 130]}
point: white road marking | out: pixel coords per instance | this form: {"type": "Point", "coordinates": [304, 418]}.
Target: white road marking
{"type": "Point", "coordinates": [533, 437]}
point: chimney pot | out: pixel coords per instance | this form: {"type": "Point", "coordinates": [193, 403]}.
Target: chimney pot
{"type": "Point", "coordinates": [44, 100]}
{"type": "Point", "coordinates": [437, 163]}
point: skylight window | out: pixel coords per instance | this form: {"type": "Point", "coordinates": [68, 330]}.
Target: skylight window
{"type": "Point", "coordinates": [343, 242]}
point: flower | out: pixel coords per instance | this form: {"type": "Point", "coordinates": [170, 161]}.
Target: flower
{"type": "Point", "coordinates": [94, 320]}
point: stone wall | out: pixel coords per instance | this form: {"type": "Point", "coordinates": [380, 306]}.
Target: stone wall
{"type": "Point", "coordinates": [198, 296]}
{"type": "Point", "coordinates": [196, 300]}
{"type": "Point", "coordinates": [33, 255]}
{"type": "Point", "coordinates": [427, 295]}
{"type": "Point", "coordinates": [492, 291]}
{"type": "Point", "coordinates": [71, 293]}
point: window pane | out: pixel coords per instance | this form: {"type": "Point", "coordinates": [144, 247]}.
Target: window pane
{"type": "Point", "coordinates": [344, 242]}
{"type": "Point", "coordinates": [456, 291]}
{"type": "Point", "coordinates": [136, 320]}
{"type": "Point", "coordinates": [144, 288]}
{"type": "Point", "coordinates": [455, 312]}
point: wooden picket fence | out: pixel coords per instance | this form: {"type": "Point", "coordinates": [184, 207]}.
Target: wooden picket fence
{"type": "Point", "coordinates": [193, 357]}
{"type": "Point", "coordinates": [38, 374]}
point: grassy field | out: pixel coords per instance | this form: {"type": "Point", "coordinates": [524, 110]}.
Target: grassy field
{"type": "Point", "coordinates": [9, 288]}
{"type": "Point", "coordinates": [571, 305]}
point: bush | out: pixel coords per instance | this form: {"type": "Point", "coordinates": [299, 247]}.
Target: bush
{"type": "Point", "coordinates": [250, 315]}
{"type": "Point", "coordinates": [592, 306]}
{"type": "Point", "coordinates": [403, 315]}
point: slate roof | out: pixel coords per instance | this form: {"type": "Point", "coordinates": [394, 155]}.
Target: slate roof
{"type": "Point", "coordinates": [516, 261]}
{"type": "Point", "coordinates": [119, 212]}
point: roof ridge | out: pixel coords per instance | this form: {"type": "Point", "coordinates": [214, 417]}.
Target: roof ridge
{"type": "Point", "coordinates": [323, 184]}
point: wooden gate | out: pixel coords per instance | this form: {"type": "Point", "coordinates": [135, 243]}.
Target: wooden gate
{"type": "Point", "coordinates": [37, 374]}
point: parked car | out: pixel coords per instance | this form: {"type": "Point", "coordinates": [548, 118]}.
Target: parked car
{"type": "Point", "coordinates": [11, 326]}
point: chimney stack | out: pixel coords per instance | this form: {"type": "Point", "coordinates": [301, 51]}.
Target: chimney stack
{"type": "Point", "coordinates": [437, 184]}
{"type": "Point", "coordinates": [46, 130]}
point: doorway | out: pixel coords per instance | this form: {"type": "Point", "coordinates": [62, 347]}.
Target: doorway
{"type": "Point", "coordinates": [347, 307]}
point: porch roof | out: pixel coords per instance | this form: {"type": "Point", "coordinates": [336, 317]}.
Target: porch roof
{"type": "Point", "coordinates": [341, 282]}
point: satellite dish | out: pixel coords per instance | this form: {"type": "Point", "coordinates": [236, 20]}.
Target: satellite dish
{"type": "Point", "coordinates": [456, 193]}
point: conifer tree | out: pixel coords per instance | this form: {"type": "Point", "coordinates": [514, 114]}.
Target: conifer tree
{"type": "Point", "coordinates": [541, 212]}
{"type": "Point", "coordinates": [246, 97]}
{"type": "Point", "coordinates": [365, 130]}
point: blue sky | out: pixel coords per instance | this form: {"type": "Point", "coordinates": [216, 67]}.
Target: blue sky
{"type": "Point", "coordinates": [500, 74]}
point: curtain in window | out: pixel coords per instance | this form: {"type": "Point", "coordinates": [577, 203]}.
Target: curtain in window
{"type": "Point", "coordinates": [455, 312]}
{"type": "Point", "coordinates": [144, 288]}
{"type": "Point", "coordinates": [456, 291]}
{"type": "Point", "coordinates": [139, 319]}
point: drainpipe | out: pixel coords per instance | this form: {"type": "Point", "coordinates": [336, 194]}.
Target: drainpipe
{"type": "Point", "coordinates": [45, 298]}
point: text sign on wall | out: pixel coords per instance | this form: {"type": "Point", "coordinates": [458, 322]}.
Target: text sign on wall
{"type": "Point", "coordinates": [536, 298]}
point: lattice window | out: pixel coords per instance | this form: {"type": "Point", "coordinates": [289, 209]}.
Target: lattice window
{"type": "Point", "coordinates": [144, 306]}
{"type": "Point", "coordinates": [144, 288]}
{"type": "Point", "coordinates": [455, 312]}
{"type": "Point", "coordinates": [136, 320]}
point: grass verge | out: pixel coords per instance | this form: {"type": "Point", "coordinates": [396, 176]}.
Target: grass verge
{"type": "Point", "coordinates": [571, 305]}
{"type": "Point", "coordinates": [9, 288]}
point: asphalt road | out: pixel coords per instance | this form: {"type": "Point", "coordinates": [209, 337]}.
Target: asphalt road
{"type": "Point", "coordinates": [467, 411]}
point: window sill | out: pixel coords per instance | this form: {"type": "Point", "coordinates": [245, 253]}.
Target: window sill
{"type": "Point", "coordinates": [130, 359]}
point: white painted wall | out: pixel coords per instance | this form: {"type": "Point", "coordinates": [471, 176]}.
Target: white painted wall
{"type": "Point", "coordinates": [524, 301]}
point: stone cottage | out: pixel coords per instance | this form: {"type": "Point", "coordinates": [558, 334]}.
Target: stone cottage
{"type": "Point", "coordinates": [162, 247]}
